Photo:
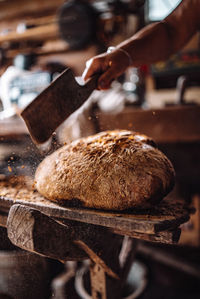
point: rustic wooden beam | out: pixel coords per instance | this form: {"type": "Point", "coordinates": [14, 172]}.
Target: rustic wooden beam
{"type": "Point", "coordinates": [43, 32]}
{"type": "Point", "coordinates": [16, 9]}
{"type": "Point", "coordinates": [166, 237]}
{"type": "Point", "coordinates": [128, 223]}
{"type": "Point", "coordinates": [31, 230]}
{"type": "Point", "coordinates": [64, 240]}
{"type": "Point", "coordinates": [103, 286]}
{"type": "Point", "coordinates": [107, 287]}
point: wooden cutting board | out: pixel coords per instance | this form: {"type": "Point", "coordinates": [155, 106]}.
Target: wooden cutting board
{"type": "Point", "coordinates": [159, 224]}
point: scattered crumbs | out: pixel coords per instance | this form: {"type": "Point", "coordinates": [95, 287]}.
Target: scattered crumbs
{"type": "Point", "coordinates": [9, 169]}
{"type": "Point", "coordinates": [153, 112]}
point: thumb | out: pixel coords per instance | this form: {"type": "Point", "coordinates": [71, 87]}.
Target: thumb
{"type": "Point", "coordinates": [92, 67]}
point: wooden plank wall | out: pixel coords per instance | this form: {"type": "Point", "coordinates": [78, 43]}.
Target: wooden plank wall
{"type": "Point", "coordinates": [43, 36]}
{"type": "Point", "coordinates": [38, 14]}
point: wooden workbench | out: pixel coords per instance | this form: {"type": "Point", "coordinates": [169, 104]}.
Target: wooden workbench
{"type": "Point", "coordinates": [38, 225]}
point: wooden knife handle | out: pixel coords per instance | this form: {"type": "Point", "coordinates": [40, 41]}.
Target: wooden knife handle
{"type": "Point", "coordinates": [91, 84]}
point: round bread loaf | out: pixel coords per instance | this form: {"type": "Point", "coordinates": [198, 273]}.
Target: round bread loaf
{"type": "Point", "coordinates": [112, 170]}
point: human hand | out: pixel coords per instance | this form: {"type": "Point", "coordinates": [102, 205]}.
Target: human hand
{"type": "Point", "coordinates": [109, 65]}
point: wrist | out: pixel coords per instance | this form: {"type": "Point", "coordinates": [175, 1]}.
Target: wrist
{"type": "Point", "coordinates": [110, 49]}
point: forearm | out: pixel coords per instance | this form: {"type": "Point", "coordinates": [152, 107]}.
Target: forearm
{"type": "Point", "coordinates": [149, 45]}
{"type": "Point", "coordinates": [159, 40]}
{"type": "Point", "coordinates": [153, 43]}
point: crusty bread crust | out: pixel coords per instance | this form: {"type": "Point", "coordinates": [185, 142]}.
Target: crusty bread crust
{"type": "Point", "coordinates": [112, 170]}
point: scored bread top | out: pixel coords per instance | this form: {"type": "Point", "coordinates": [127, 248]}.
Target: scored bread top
{"type": "Point", "coordinates": [112, 170]}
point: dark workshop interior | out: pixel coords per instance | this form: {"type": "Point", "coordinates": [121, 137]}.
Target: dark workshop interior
{"type": "Point", "coordinates": [49, 251]}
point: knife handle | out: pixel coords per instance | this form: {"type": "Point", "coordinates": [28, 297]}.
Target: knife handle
{"type": "Point", "coordinates": [91, 84]}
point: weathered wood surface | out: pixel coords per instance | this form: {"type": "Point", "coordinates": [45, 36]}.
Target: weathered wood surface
{"type": "Point", "coordinates": [168, 236]}
{"type": "Point", "coordinates": [32, 230]}
{"type": "Point", "coordinates": [158, 224]}
{"type": "Point", "coordinates": [103, 286]}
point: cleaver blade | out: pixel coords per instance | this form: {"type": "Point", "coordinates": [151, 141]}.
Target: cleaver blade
{"type": "Point", "coordinates": [55, 103]}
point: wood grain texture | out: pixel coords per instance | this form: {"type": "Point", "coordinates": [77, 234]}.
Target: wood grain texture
{"type": "Point", "coordinates": [103, 286]}
{"type": "Point", "coordinates": [159, 224]}
{"type": "Point", "coordinates": [36, 232]}
{"type": "Point", "coordinates": [31, 230]}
